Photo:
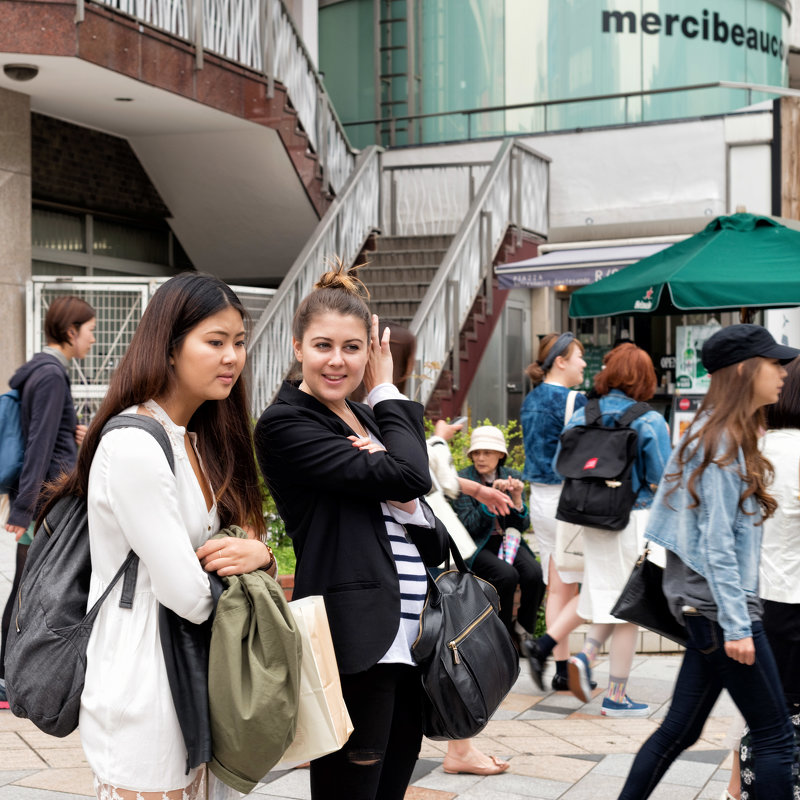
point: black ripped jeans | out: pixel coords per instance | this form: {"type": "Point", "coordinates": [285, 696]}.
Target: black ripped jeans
{"type": "Point", "coordinates": [377, 761]}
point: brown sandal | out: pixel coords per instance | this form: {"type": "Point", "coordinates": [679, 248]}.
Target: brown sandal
{"type": "Point", "coordinates": [457, 766]}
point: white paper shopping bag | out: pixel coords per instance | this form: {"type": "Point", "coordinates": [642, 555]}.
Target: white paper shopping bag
{"type": "Point", "coordinates": [323, 724]}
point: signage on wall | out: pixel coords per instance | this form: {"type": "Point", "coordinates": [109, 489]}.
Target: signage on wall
{"type": "Point", "coordinates": [710, 26]}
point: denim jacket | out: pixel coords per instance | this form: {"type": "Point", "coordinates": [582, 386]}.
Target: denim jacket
{"type": "Point", "coordinates": [542, 418]}
{"type": "Point", "coordinates": [717, 539]}
{"type": "Point", "coordinates": [653, 444]}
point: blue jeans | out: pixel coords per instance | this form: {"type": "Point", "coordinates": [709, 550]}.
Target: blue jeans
{"type": "Point", "coordinates": [756, 690]}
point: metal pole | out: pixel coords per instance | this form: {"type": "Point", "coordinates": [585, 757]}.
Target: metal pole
{"type": "Point", "coordinates": [452, 287]}
{"type": "Point", "coordinates": [269, 49]}
{"type": "Point", "coordinates": [198, 33]}
{"type": "Point", "coordinates": [80, 11]}
{"type": "Point", "coordinates": [393, 206]}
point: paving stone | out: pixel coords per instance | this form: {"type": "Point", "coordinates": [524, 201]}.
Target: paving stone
{"type": "Point", "coordinates": [418, 793]}
{"type": "Point", "coordinates": [63, 757]}
{"type": "Point", "coordinates": [616, 765]}
{"type": "Point", "coordinates": [508, 783]}
{"type": "Point", "coordinates": [689, 773]}
{"type": "Point", "coordinates": [14, 792]}
{"type": "Point", "coordinates": [21, 759]}
{"type": "Point", "coordinates": [444, 782]}
{"type": "Point", "coordinates": [293, 785]}
{"type": "Point", "coordinates": [542, 745]}
{"type": "Point", "coordinates": [75, 780]}
{"type": "Point", "coordinates": [36, 739]}
{"type": "Point", "coordinates": [9, 776]}
{"type": "Point", "coordinates": [554, 768]}
{"type": "Point", "coordinates": [515, 701]}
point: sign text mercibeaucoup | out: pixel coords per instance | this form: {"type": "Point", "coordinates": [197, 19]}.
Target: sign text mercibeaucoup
{"type": "Point", "coordinates": [709, 26]}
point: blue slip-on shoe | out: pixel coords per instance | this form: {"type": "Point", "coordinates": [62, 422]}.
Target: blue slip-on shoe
{"type": "Point", "coordinates": [627, 708]}
{"type": "Point", "coordinates": [579, 677]}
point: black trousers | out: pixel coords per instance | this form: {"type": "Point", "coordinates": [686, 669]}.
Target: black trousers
{"type": "Point", "coordinates": [377, 761]}
{"type": "Point", "coordinates": [526, 572]}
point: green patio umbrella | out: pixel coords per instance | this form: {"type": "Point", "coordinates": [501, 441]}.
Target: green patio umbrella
{"type": "Point", "coordinates": [741, 261]}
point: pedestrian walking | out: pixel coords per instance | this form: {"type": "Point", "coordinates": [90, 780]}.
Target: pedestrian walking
{"type": "Point", "coordinates": [346, 478]}
{"type": "Point", "coordinates": [559, 367]}
{"type": "Point", "coordinates": [183, 368]}
{"type": "Point", "coordinates": [50, 428]}
{"type": "Point", "coordinates": [708, 514]}
{"type": "Point", "coordinates": [609, 556]}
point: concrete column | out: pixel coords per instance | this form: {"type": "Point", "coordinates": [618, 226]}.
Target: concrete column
{"type": "Point", "coordinates": [15, 226]}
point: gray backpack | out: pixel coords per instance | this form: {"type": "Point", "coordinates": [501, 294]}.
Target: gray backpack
{"type": "Point", "coordinates": [47, 640]}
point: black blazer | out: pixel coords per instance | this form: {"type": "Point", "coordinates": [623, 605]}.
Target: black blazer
{"type": "Point", "coordinates": [328, 494]}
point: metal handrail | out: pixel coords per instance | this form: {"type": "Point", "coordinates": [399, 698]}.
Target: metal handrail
{"type": "Point", "coordinates": [545, 104]}
{"type": "Point", "coordinates": [341, 233]}
{"type": "Point", "coordinates": [261, 35]}
{"type": "Point", "coordinates": [514, 193]}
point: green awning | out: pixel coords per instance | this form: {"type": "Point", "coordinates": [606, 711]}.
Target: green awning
{"type": "Point", "coordinates": [740, 261]}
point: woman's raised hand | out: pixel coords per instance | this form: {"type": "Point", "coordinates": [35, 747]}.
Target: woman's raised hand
{"type": "Point", "coordinates": [379, 365]}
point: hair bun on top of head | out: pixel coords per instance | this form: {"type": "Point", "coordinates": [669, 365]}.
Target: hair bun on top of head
{"type": "Point", "coordinates": [344, 278]}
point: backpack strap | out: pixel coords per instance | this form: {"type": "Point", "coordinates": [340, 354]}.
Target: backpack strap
{"type": "Point", "coordinates": [631, 413]}
{"type": "Point", "coordinates": [130, 567]}
{"type": "Point", "coordinates": [592, 412]}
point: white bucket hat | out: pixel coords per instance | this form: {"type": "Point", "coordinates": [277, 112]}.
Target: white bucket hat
{"type": "Point", "coordinates": [487, 437]}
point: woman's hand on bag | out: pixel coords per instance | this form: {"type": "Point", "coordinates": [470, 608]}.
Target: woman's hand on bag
{"type": "Point", "coordinates": [379, 367]}
{"type": "Point", "coordinates": [741, 650]}
{"type": "Point", "coordinates": [232, 556]}
{"type": "Point", "coordinates": [444, 430]}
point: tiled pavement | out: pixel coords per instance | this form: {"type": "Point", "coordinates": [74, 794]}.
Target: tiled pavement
{"type": "Point", "coordinates": [558, 747]}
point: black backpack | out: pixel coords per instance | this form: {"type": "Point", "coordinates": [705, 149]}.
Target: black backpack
{"type": "Point", "coordinates": [596, 462]}
{"type": "Point", "coordinates": [46, 649]}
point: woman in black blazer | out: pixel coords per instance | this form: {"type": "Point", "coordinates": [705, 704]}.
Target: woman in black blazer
{"type": "Point", "coordinates": [346, 479]}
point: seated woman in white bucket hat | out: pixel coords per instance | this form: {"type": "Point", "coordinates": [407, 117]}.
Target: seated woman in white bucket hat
{"type": "Point", "coordinates": [502, 556]}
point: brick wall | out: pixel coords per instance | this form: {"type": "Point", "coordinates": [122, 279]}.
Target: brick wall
{"type": "Point", "coordinates": [93, 171]}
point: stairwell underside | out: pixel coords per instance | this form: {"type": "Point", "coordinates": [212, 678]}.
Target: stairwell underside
{"type": "Point", "coordinates": [84, 68]}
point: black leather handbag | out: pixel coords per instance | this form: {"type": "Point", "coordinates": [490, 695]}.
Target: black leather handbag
{"type": "Point", "coordinates": [468, 661]}
{"type": "Point", "coordinates": [643, 601]}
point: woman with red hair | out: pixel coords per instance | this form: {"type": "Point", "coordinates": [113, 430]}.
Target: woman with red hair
{"type": "Point", "coordinates": [628, 377]}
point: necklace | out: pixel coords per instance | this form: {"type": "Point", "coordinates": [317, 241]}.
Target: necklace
{"type": "Point", "coordinates": [356, 425]}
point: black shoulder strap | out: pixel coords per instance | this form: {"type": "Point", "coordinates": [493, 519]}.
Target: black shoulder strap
{"type": "Point", "coordinates": [131, 566]}
{"type": "Point", "coordinates": [632, 412]}
{"type": "Point", "coordinates": [592, 412]}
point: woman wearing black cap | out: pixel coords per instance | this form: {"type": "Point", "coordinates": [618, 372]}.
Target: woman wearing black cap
{"type": "Point", "coordinates": [707, 513]}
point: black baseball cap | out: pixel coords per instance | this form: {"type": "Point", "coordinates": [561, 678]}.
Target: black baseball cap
{"type": "Point", "coordinates": [739, 342]}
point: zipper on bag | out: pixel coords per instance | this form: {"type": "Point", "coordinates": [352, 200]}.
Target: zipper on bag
{"type": "Point", "coordinates": [453, 645]}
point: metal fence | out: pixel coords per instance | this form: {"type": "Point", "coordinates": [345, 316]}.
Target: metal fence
{"type": "Point", "coordinates": [119, 304]}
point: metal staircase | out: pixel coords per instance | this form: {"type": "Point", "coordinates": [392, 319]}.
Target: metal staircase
{"type": "Point", "coordinates": [447, 225]}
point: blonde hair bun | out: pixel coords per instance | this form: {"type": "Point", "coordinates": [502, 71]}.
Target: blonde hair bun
{"type": "Point", "coordinates": [343, 278]}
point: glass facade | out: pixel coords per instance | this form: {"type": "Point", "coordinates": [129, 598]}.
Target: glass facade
{"type": "Point", "coordinates": [478, 54]}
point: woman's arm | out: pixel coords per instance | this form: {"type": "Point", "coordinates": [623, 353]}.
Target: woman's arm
{"type": "Point", "coordinates": [141, 492]}
{"type": "Point", "coordinates": [297, 444]}
{"type": "Point", "coordinates": [474, 516]}
{"type": "Point", "coordinates": [719, 489]}
{"type": "Point", "coordinates": [46, 408]}
{"type": "Point", "coordinates": [655, 449]}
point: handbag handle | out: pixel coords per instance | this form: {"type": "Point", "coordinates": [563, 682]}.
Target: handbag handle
{"type": "Point", "coordinates": [461, 566]}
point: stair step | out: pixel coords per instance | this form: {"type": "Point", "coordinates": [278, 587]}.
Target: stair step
{"type": "Point", "coordinates": [430, 242]}
{"type": "Point", "coordinates": [382, 273]}
{"type": "Point", "coordinates": [395, 290]}
{"type": "Point", "coordinates": [420, 258]}
{"type": "Point", "coordinates": [394, 309]}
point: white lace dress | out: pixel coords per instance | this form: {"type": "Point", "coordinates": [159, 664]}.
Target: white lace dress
{"type": "Point", "coordinates": [128, 725]}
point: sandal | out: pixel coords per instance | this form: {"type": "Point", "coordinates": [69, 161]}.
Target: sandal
{"type": "Point", "coordinates": [457, 766]}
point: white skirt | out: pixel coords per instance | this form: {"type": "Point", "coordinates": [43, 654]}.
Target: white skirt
{"type": "Point", "coordinates": [543, 504]}
{"type": "Point", "coordinates": [609, 558]}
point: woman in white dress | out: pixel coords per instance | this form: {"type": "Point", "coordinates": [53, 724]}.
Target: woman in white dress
{"type": "Point", "coordinates": [182, 368]}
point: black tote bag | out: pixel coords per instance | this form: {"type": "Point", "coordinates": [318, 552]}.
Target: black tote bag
{"type": "Point", "coordinates": [642, 601]}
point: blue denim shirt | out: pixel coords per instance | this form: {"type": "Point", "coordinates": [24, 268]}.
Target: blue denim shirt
{"type": "Point", "coordinates": [717, 539]}
{"type": "Point", "coordinates": [542, 418]}
{"type": "Point", "coordinates": [653, 442]}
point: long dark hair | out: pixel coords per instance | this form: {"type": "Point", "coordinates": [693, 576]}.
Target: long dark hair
{"type": "Point", "coordinates": [223, 427]}
{"type": "Point", "coordinates": [731, 425]}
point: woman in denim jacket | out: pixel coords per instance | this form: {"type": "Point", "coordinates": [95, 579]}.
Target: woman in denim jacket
{"type": "Point", "coordinates": [627, 377]}
{"type": "Point", "coordinates": [559, 366]}
{"type": "Point", "coordinates": [707, 513]}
